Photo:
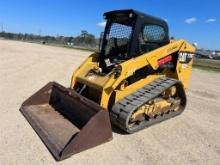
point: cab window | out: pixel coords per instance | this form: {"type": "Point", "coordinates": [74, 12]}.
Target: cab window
{"type": "Point", "coordinates": [153, 33]}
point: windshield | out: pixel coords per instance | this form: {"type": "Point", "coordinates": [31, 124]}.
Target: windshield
{"type": "Point", "coordinates": [117, 39]}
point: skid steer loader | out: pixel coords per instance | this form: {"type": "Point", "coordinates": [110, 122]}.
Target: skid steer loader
{"type": "Point", "coordinates": [137, 79]}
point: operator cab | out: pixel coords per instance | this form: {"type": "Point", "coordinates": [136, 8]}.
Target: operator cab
{"type": "Point", "coordinates": [128, 34]}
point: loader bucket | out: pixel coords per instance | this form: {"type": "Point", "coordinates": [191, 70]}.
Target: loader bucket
{"type": "Point", "coordinates": [66, 122]}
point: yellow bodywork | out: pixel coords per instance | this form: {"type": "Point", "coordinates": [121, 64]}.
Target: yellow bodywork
{"type": "Point", "coordinates": [105, 86]}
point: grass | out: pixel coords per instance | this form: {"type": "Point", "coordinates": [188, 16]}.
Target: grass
{"type": "Point", "coordinates": [207, 64]}
{"type": "Point", "coordinates": [59, 45]}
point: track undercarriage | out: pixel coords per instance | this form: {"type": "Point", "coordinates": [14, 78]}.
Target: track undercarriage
{"type": "Point", "coordinates": [162, 99]}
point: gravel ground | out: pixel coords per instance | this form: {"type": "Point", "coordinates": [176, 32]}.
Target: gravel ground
{"type": "Point", "coordinates": [192, 138]}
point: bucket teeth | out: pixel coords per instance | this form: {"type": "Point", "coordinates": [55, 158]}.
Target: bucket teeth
{"type": "Point", "coordinates": [66, 122]}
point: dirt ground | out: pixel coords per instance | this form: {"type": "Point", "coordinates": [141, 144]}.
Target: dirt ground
{"type": "Point", "coordinates": [192, 138]}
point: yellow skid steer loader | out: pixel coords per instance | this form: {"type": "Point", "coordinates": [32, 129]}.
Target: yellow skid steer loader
{"type": "Point", "coordinates": [137, 79]}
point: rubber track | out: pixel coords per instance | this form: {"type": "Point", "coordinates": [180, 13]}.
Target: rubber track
{"type": "Point", "coordinates": [122, 110]}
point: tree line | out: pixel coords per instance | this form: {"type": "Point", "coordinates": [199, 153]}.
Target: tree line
{"type": "Point", "coordinates": [84, 39]}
